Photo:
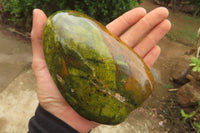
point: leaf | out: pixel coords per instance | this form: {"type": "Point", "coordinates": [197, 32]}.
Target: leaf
{"type": "Point", "coordinates": [191, 114]}
{"type": "Point", "coordinates": [194, 59]}
{"type": "Point", "coordinates": [198, 69]}
{"type": "Point", "coordinates": [183, 113]}
{"type": "Point", "coordinates": [192, 64]}
{"type": "Point", "coordinates": [195, 69]}
{"type": "Point", "coordinates": [196, 125]}
{"type": "Point", "coordinates": [186, 116]}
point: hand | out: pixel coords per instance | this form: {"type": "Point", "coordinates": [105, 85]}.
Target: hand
{"type": "Point", "coordinates": [132, 28]}
{"type": "Point", "coordinates": [144, 31]}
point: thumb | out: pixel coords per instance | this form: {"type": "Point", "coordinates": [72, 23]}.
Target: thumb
{"type": "Point", "coordinates": [39, 21]}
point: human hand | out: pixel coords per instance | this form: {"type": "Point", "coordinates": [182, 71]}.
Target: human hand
{"type": "Point", "coordinates": [138, 25]}
{"type": "Point", "coordinates": [142, 31]}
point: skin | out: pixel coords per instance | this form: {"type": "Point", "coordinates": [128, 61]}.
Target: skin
{"type": "Point", "coordinates": [138, 29]}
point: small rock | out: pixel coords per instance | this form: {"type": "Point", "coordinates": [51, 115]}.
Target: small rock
{"type": "Point", "coordinates": [180, 70]}
{"type": "Point", "coordinates": [191, 78]}
{"type": "Point", "coordinates": [161, 123]}
{"type": "Point", "coordinates": [195, 75]}
{"type": "Point", "coordinates": [189, 94]}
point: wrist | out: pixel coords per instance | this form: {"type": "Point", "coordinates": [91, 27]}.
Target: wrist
{"type": "Point", "coordinates": [68, 115]}
{"type": "Point", "coordinates": [45, 122]}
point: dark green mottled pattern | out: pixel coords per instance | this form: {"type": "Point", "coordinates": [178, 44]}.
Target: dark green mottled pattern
{"type": "Point", "coordinates": [93, 75]}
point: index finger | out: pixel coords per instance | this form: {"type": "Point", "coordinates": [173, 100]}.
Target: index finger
{"type": "Point", "coordinates": [122, 23]}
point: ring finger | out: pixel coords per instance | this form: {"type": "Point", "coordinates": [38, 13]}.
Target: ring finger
{"type": "Point", "coordinates": [152, 38]}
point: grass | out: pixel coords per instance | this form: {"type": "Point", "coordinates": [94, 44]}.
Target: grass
{"type": "Point", "coordinates": [183, 35]}
{"type": "Point", "coordinates": [193, 18]}
{"type": "Point", "coordinates": [172, 35]}
{"type": "Point", "coordinates": [184, 28]}
{"type": "Point", "coordinates": [169, 86]}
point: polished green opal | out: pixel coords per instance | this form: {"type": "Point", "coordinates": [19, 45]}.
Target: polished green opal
{"type": "Point", "coordinates": [99, 76]}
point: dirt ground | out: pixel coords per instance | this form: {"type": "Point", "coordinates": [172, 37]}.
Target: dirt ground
{"type": "Point", "coordinates": [179, 40]}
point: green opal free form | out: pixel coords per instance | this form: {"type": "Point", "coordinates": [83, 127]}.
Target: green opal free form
{"type": "Point", "coordinates": [99, 76]}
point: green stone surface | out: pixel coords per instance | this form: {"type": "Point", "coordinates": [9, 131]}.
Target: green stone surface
{"type": "Point", "coordinates": [100, 77]}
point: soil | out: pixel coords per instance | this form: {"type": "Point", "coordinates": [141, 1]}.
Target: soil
{"type": "Point", "coordinates": [171, 52]}
{"type": "Point", "coordinates": [163, 104]}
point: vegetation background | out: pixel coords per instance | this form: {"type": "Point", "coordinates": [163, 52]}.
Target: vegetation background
{"type": "Point", "coordinates": [19, 12]}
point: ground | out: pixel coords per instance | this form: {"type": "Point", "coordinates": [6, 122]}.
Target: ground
{"type": "Point", "coordinates": [160, 113]}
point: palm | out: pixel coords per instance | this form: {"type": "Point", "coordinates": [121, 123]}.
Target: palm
{"type": "Point", "coordinates": [136, 25]}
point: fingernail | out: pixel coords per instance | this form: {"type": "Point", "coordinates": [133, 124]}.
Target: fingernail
{"type": "Point", "coordinates": [33, 17]}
